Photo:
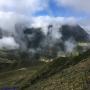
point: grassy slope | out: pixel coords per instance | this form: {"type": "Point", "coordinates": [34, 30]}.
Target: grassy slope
{"type": "Point", "coordinates": [58, 66]}
{"type": "Point", "coordinates": [18, 77]}
{"type": "Point", "coordinates": [73, 78]}
{"type": "Point", "coordinates": [62, 74]}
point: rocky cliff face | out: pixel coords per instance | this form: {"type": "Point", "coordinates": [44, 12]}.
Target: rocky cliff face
{"type": "Point", "coordinates": [76, 32]}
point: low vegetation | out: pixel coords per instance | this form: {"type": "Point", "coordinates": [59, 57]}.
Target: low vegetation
{"type": "Point", "coordinates": [64, 73]}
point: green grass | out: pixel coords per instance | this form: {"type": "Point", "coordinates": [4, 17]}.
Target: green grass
{"type": "Point", "coordinates": [72, 78]}
{"type": "Point", "coordinates": [18, 77]}
{"type": "Point", "coordinates": [57, 66]}
{"type": "Point", "coordinates": [68, 73]}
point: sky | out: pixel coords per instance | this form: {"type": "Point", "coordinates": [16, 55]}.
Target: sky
{"type": "Point", "coordinates": [46, 10]}
{"type": "Point", "coordinates": [77, 8]}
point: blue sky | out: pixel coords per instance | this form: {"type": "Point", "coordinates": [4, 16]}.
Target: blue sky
{"type": "Point", "coordinates": [64, 11]}
{"type": "Point", "coordinates": [61, 11]}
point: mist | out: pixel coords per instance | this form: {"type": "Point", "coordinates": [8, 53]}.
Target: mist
{"type": "Point", "coordinates": [70, 45]}
{"type": "Point", "coordinates": [8, 43]}
{"type": "Point", "coordinates": [36, 36]}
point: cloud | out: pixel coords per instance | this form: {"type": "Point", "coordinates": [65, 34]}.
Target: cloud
{"type": "Point", "coordinates": [85, 23]}
{"type": "Point", "coordinates": [70, 45]}
{"type": "Point", "coordinates": [30, 6]}
{"type": "Point", "coordinates": [43, 21]}
{"type": "Point", "coordinates": [9, 19]}
{"type": "Point", "coordinates": [8, 43]}
{"type": "Point", "coordinates": [8, 22]}
{"type": "Point", "coordinates": [83, 5]}
{"type": "Point", "coordinates": [8, 3]}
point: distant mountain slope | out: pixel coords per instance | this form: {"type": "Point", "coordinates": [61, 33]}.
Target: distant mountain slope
{"type": "Point", "coordinates": [76, 32]}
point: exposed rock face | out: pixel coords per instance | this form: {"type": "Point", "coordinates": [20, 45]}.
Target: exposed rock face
{"type": "Point", "coordinates": [76, 32]}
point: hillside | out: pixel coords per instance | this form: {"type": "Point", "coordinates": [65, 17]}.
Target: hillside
{"type": "Point", "coordinates": [7, 60]}
{"type": "Point", "coordinates": [14, 59]}
{"type": "Point", "coordinates": [73, 78]}
{"type": "Point", "coordinates": [63, 67]}
{"type": "Point", "coordinates": [23, 69]}
{"type": "Point", "coordinates": [68, 73]}
{"type": "Point", "coordinates": [18, 76]}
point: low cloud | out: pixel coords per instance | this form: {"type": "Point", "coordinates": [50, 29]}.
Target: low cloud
{"type": "Point", "coordinates": [8, 43]}
{"type": "Point", "coordinates": [70, 45]}
{"type": "Point", "coordinates": [44, 21]}
{"type": "Point", "coordinates": [9, 19]}
{"type": "Point", "coordinates": [13, 24]}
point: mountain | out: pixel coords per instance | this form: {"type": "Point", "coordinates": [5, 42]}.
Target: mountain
{"type": "Point", "coordinates": [19, 70]}
{"type": "Point", "coordinates": [68, 31]}
{"type": "Point", "coordinates": [35, 42]}
{"type": "Point", "coordinates": [54, 40]}
{"type": "Point", "coordinates": [34, 36]}
{"type": "Point", "coordinates": [76, 32]}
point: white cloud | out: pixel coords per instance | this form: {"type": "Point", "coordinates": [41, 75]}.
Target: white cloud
{"type": "Point", "coordinates": [9, 19]}
{"type": "Point", "coordinates": [83, 5]}
{"type": "Point", "coordinates": [32, 5]}
{"type": "Point", "coordinates": [8, 3]}
{"type": "Point", "coordinates": [85, 23]}
{"type": "Point", "coordinates": [44, 21]}
{"type": "Point", "coordinates": [8, 43]}
{"type": "Point", "coordinates": [20, 6]}
{"type": "Point", "coordinates": [70, 45]}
